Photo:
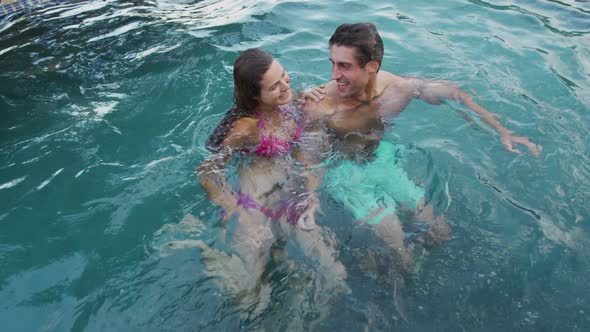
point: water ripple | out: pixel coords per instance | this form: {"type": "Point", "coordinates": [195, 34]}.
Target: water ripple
{"type": "Point", "coordinates": [12, 183]}
{"type": "Point", "coordinates": [556, 11]}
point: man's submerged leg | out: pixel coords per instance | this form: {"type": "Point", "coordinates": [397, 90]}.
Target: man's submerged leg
{"type": "Point", "coordinates": [318, 245]}
{"type": "Point", "coordinates": [389, 229]}
{"type": "Point", "coordinates": [438, 232]}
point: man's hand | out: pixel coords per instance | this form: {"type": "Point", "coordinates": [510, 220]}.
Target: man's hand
{"type": "Point", "coordinates": [316, 94]}
{"type": "Point", "coordinates": [511, 142]}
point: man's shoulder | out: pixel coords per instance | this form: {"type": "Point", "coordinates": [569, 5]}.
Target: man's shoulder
{"type": "Point", "coordinates": [399, 83]}
{"type": "Point", "coordinates": [318, 108]}
{"type": "Point", "coordinates": [385, 75]}
{"type": "Point", "coordinates": [389, 79]}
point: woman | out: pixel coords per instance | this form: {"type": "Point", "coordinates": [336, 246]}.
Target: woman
{"type": "Point", "coordinates": [263, 128]}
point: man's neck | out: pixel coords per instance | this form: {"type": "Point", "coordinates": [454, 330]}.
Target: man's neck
{"type": "Point", "coordinates": [368, 94]}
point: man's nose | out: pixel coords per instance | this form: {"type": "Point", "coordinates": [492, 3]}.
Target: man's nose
{"type": "Point", "coordinates": [336, 73]}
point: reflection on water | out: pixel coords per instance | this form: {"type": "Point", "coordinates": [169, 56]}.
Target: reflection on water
{"type": "Point", "coordinates": [105, 108]}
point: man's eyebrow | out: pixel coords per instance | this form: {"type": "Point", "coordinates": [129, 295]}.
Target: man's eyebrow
{"type": "Point", "coordinates": [340, 62]}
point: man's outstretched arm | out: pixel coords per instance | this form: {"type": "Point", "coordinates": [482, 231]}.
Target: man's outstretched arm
{"type": "Point", "coordinates": [436, 92]}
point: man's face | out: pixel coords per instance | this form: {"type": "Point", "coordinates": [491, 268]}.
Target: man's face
{"type": "Point", "coordinates": [346, 71]}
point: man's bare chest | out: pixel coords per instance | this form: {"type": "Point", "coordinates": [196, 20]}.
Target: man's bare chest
{"type": "Point", "coordinates": [360, 120]}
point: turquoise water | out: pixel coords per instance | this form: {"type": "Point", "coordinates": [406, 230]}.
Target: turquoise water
{"type": "Point", "coordinates": [105, 107]}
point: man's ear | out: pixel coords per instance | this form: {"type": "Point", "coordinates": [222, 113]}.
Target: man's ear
{"type": "Point", "coordinates": [373, 66]}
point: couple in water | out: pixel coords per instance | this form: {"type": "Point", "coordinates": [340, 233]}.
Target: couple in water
{"type": "Point", "coordinates": [276, 194]}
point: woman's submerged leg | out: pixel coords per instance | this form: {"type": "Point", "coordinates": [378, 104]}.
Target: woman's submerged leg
{"type": "Point", "coordinates": [240, 272]}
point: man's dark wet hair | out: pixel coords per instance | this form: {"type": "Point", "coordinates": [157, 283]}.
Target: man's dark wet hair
{"type": "Point", "coordinates": [249, 68]}
{"type": "Point", "coordinates": [363, 37]}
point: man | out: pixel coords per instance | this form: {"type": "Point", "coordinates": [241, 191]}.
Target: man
{"type": "Point", "coordinates": [357, 103]}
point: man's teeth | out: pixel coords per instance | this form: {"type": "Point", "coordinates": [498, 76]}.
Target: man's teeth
{"type": "Point", "coordinates": [342, 84]}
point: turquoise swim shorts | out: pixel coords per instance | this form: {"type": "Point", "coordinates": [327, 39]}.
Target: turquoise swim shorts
{"type": "Point", "coordinates": [365, 188]}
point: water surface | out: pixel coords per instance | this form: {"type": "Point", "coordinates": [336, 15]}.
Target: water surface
{"type": "Point", "coordinates": [105, 107]}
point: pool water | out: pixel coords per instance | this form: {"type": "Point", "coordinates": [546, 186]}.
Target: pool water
{"type": "Point", "coordinates": [105, 107]}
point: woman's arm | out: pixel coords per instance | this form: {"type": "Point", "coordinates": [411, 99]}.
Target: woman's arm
{"type": "Point", "coordinates": [310, 154]}
{"type": "Point", "coordinates": [316, 94]}
{"type": "Point", "coordinates": [211, 172]}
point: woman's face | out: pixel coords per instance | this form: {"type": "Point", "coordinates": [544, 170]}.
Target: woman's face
{"type": "Point", "coordinates": [274, 87]}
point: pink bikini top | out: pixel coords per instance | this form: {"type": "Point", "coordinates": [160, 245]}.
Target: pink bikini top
{"type": "Point", "coordinates": [271, 145]}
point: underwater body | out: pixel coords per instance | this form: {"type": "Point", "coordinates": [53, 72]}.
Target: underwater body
{"type": "Point", "coordinates": [106, 106]}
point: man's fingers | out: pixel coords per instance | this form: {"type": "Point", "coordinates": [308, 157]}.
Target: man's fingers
{"type": "Point", "coordinates": [534, 148]}
{"type": "Point", "coordinates": [510, 147]}
{"type": "Point", "coordinates": [511, 143]}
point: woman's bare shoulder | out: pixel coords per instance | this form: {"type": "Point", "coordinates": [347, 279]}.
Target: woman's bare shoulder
{"type": "Point", "coordinates": [243, 132]}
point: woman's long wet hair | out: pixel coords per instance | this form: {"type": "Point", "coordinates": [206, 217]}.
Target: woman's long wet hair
{"type": "Point", "coordinates": [249, 68]}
